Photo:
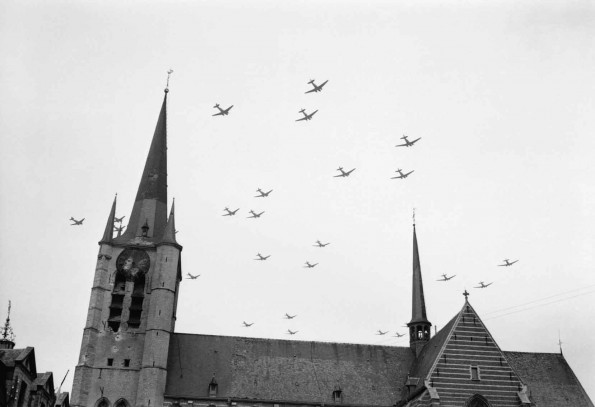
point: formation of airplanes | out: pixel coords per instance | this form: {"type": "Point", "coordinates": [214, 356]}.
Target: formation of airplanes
{"type": "Point", "coordinates": [76, 222]}
{"type": "Point", "coordinates": [344, 173]}
{"type": "Point", "coordinates": [222, 112]}
{"type": "Point", "coordinates": [483, 285]}
{"type": "Point", "coordinates": [306, 115]}
{"type": "Point", "coordinates": [192, 277]}
{"type": "Point", "coordinates": [254, 214]}
{"type": "Point", "coordinates": [317, 88]}
{"type": "Point", "coordinates": [401, 175]}
{"type": "Point", "coordinates": [407, 142]}
{"type": "Point", "coordinates": [446, 278]}
{"type": "Point", "coordinates": [507, 263]}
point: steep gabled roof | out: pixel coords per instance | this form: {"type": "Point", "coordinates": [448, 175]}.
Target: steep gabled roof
{"type": "Point", "coordinates": [278, 370]}
{"type": "Point", "coordinates": [551, 381]}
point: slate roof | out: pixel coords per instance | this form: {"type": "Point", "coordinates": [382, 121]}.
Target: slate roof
{"type": "Point", "coordinates": [551, 381]}
{"type": "Point", "coordinates": [281, 370]}
{"type": "Point", "coordinates": [10, 356]}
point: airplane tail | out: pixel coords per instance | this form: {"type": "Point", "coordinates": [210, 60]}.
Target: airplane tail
{"type": "Point", "coordinates": [404, 137]}
{"type": "Point", "coordinates": [311, 81]}
{"type": "Point", "coordinates": [216, 105]}
{"type": "Point", "coordinates": [302, 111]}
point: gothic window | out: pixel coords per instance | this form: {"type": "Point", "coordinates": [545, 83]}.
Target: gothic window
{"type": "Point", "coordinates": [132, 266]}
{"type": "Point", "coordinates": [102, 402]}
{"type": "Point", "coordinates": [477, 401]}
{"type": "Point", "coordinates": [121, 403]}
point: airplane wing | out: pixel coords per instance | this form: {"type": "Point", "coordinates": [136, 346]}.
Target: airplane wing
{"type": "Point", "coordinates": [397, 177]}
{"type": "Point", "coordinates": [401, 145]}
{"type": "Point", "coordinates": [409, 172]}
{"type": "Point", "coordinates": [311, 90]}
{"type": "Point", "coordinates": [349, 172]}
{"type": "Point", "coordinates": [228, 109]}
{"type": "Point", "coordinates": [413, 141]}
{"type": "Point", "coordinates": [322, 84]}
{"type": "Point", "coordinates": [218, 114]}
{"type": "Point", "coordinates": [313, 113]}
{"type": "Point", "coordinates": [513, 262]}
{"type": "Point", "coordinates": [340, 175]}
{"type": "Point", "coordinates": [303, 118]}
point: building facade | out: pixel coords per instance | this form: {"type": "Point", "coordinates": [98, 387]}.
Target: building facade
{"type": "Point", "coordinates": [132, 356]}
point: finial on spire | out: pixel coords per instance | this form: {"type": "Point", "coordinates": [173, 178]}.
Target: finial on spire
{"type": "Point", "coordinates": [466, 294]}
{"type": "Point", "coordinates": [167, 84]}
{"type": "Point", "coordinates": [7, 333]}
{"type": "Point", "coordinates": [560, 342]}
{"type": "Point", "coordinates": [414, 217]}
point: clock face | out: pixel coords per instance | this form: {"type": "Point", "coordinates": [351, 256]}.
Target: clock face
{"type": "Point", "coordinates": [133, 264]}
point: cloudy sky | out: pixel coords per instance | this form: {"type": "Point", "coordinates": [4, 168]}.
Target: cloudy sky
{"type": "Point", "coordinates": [501, 95]}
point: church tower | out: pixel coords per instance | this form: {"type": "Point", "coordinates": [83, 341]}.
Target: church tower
{"type": "Point", "coordinates": [132, 309]}
{"type": "Point", "coordinates": [419, 326]}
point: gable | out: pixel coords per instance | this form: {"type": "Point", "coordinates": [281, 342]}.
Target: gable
{"type": "Point", "coordinates": [283, 370]}
{"type": "Point", "coordinates": [471, 363]}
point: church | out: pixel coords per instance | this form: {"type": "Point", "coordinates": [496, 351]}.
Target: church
{"type": "Point", "coordinates": [131, 355]}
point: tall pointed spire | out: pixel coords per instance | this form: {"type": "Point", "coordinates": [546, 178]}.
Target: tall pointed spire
{"type": "Point", "coordinates": [109, 226]}
{"type": "Point", "coordinates": [150, 206]}
{"type": "Point", "coordinates": [418, 309]}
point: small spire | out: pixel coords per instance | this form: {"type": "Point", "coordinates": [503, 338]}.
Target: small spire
{"type": "Point", "coordinates": [466, 294]}
{"type": "Point", "coordinates": [167, 84]}
{"type": "Point", "coordinates": [419, 303]}
{"type": "Point", "coordinates": [109, 226]}
{"type": "Point", "coordinates": [413, 217]}
{"type": "Point", "coordinates": [169, 235]}
{"type": "Point", "coordinates": [7, 341]}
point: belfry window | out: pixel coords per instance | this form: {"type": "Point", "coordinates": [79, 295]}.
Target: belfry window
{"type": "Point", "coordinates": [213, 387]}
{"type": "Point", "coordinates": [474, 373]}
{"type": "Point", "coordinates": [337, 395]}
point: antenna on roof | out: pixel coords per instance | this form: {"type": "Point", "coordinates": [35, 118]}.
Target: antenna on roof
{"type": "Point", "coordinates": [560, 342]}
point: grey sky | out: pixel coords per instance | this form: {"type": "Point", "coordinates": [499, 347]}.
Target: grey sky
{"type": "Point", "coordinates": [501, 94]}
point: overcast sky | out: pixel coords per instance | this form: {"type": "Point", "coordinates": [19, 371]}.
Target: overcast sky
{"type": "Point", "coordinates": [501, 94]}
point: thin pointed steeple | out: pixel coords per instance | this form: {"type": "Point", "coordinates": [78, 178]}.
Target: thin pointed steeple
{"type": "Point", "coordinates": [150, 206]}
{"type": "Point", "coordinates": [109, 226]}
{"type": "Point", "coordinates": [7, 340]}
{"type": "Point", "coordinates": [169, 236]}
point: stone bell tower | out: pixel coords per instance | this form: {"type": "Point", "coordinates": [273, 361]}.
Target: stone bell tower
{"type": "Point", "coordinates": [132, 310]}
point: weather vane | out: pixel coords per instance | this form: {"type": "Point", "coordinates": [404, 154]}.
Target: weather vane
{"type": "Point", "coordinates": [168, 75]}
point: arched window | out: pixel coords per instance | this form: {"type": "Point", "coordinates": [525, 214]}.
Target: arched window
{"type": "Point", "coordinates": [122, 403]}
{"type": "Point", "coordinates": [477, 400]}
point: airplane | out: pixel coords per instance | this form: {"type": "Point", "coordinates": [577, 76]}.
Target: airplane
{"type": "Point", "coordinates": [255, 215]}
{"type": "Point", "coordinates": [119, 229]}
{"type": "Point", "coordinates": [287, 316]}
{"type": "Point", "coordinates": [230, 213]}
{"type": "Point", "coordinates": [191, 277]}
{"type": "Point", "coordinates": [445, 278]}
{"type": "Point", "coordinates": [290, 332]}
{"type": "Point", "coordinates": [261, 257]}
{"type": "Point", "coordinates": [407, 142]}
{"type": "Point", "coordinates": [222, 112]}
{"type": "Point", "coordinates": [482, 285]}
{"type": "Point", "coordinates": [76, 222]}
{"type": "Point", "coordinates": [343, 173]}
{"type": "Point", "coordinates": [262, 194]}
{"type": "Point", "coordinates": [401, 175]}
{"type": "Point", "coordinates": [306, 116]}
{"type": "Point", "coordinates": [381, 333]}
{"type": "Point", "coordinates": [398, 335]}
{"type": "Point", "coordinates": [246, 325]}
{"type": "Point", "coordinates": [320, 244]}
{"type": "Point", "coordinates": [309, 265]}
{"type": "Point", "coordinates": [507, 263]}
{"type": "Point", "coordinates": [317, 88]}
{"type": "Point", "coordinates": [119, 220]}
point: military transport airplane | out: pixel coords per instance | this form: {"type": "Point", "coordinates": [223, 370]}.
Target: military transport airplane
{"type": "Point", "coordinates": [407, 142]}
{"type": "Point", "coordinates": [222, 112]}
{"type": "Point", "coordinates": [290, 332]}
{"type": "Point", "coordinates": [507, 263]}
{"type": "Point", "coordinates": [401, 175]}
{"type": "Point", "coordinates": [119, 220]}
{"type": "Point", "coordinates": [306, 116]}
{"type": "Point", "coordinates": [317, 88]}
{"type": "Point", "coordinates": [246, 325]}
{"type": "Point", "coordinates": [446, 278]}
{"type": "Point", "coordinates": [261, 257]}
{"type": "Point", "coordinates": [320, 244]}
{"type": "Point", "coordinates": [229, 213]}
{"type": "Point", "coordinates": [381, 333]}
{"type": "Point", "coordinates": [262, 194]}
{"type": "Point", "coordinates": [119, 229]}
{"type": "Point", "coordinates": [309, 265]}
{"type": "Point", "coordinates": [76, 222]}
{"type": "Point", "coordinates": [482, 285]}
{"type": "Point", "coordinates": [254, 214]}
{"type": "Point", "coordinates": [398, 335]}
{"type": "Point", "coordinates": [343, 173]}
{"type": "Point", "coordinates": [287, 316]}
{"type": "Point", "coordinates": [192, 277]}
